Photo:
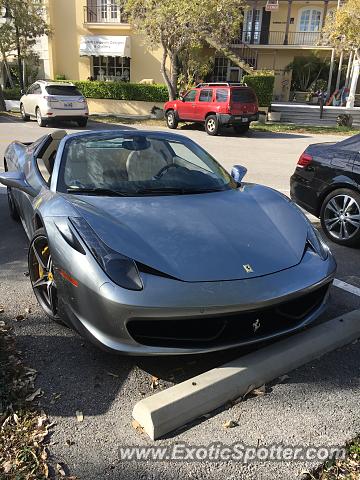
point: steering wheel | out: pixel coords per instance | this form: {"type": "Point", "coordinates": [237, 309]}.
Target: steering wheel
{"type": "Point", "coordinates": [163, 170]}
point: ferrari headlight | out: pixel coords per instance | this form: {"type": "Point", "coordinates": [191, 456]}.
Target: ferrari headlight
{"type": "Point", "coordinates": [121, 269]}
{"type": "Point", "coordinates": [317, 243]}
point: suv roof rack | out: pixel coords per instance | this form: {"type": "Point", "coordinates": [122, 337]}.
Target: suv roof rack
{"type": "Point", "coordinates": [221, 84]}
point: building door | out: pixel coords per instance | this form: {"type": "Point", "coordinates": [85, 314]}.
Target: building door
{"type": "Point", "coordinates": [310, 22]}
{"type": "Point", "coordinates": [235, 74]}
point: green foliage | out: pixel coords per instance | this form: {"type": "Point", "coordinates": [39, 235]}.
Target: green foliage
{"type": "Point", "coordinates": [263, 85]}
{"type": "Point", "coordinates": [306, 71]}
{"type": "Point", "coordinates": [12, 93]}
{"type": "Point", "coordinates": [184, 25]}
{"type": "Point", "coordinates": [123, 91]}
{"type": "Point", "coordinates": [60, 76]}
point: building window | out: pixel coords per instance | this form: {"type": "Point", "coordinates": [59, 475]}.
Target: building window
{"type": "Point", "coordinates": [310, 21]}
{"type": "Point", "coordinates": [220, 69]}
{"type": "Point", "coordinates": [111, 68]}
{"type": "Point", "coordinates": [248, 21]}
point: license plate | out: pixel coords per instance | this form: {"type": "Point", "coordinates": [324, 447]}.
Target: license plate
{"type": "Point", "coordinates": [68, 104]}
{"type": "Point", "coordinates": [245, 120]}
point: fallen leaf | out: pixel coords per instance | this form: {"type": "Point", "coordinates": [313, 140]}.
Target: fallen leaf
{"type": "Point", "coordinates": [230, 424]}
{"type": "Point", "coordinates": [136, 426]}
{"type": "Point", "coordinates": [16, 418]}
{"type": "Point", "coordinates": [79, 416]}
{"type": "Point", "coordinates": [31, 397]}
{"type": "Point", "coordinates": [258, 392]}
{"type": "Point", "coordinates": [20, 317]}
{"type": "Point", "coordinates": [112, 374]}
{"type": "Point", "coordinates": [250, 389]}
{"type": "Point", "coordinates": [46, 471]}
{"type": "Point", "coordinates": [60, 470]}
{"type": "Point", "coordinates": [154, 383]}
{"type": "Point", "coordinates": [44, 455]}
{"type": "Point", "coordinates": [7, 466]}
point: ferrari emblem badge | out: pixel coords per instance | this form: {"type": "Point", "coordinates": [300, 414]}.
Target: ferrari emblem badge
{"type": "Point", "coordinates": [256, 325]}
{"type": "Point", "coordinates": [248, 268]}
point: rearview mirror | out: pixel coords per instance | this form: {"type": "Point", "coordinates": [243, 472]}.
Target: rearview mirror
{"type": "Point", "coordinates": [17, 180]}
{"type": "Point", "coordinates": [238, 172]}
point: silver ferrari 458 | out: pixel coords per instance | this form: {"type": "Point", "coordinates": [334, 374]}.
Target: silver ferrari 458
{"type": "Point", "coordinates": [144, 244]}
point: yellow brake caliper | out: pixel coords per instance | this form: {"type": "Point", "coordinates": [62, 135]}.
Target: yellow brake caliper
{"type": "Point", "coordinates": [41, 270]}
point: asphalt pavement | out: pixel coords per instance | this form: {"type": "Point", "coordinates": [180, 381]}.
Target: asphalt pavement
{"type": "Point", "coordinates": [317, 405]}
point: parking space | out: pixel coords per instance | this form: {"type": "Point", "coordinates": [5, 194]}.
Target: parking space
{"type": "Point", "coordinates": [105, 387]}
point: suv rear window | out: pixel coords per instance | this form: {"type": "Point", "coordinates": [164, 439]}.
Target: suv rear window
{"type": "Point", "coordinates": [66, 90]}
{"type": "Point", "coordinates": [221, 95]}
{"type": "Point", "coordinates": [242, 95]}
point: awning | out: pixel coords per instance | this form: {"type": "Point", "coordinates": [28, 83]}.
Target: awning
{"type": "Point", "coordinates": [105, 45]}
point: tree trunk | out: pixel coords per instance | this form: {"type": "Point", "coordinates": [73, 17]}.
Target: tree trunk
{"type": "Point", "coordinates": [8, 73]}
{"type": "Point", "coordinates": [174, 72]}
{"type": "Point", "coordinates": [172, 93]}
{"type": "Point", "coordinates": [228, 53]}
{"type": "Point", "coordinates": [2, 101]}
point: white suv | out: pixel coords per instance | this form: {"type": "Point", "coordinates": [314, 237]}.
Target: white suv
{"type": "Point", "coordinates": [54, 100]}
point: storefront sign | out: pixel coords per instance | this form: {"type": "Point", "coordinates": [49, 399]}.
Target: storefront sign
{"type": "Point", "coordinates": [272, 5]}
{"type": "Point", "coordinates": [105, 45]}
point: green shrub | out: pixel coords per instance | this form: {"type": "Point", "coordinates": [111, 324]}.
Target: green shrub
{"type": "Point", "coordinates": [263, 86]}
{"type": "Point", "coordinates": [123, 91]}
{"type": "Point", "coordinates": [60, 76]}
{"type": "Point", "coordinates": [12, 93]}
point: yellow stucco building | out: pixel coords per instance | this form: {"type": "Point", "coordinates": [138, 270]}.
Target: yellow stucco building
{"type": "Point", "coordinates": [91, 38]}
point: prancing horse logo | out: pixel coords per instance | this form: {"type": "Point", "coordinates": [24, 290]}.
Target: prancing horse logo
{"type": "Point", "coordinates": [256, 325]}
{"type": "Point", "coordinates": [248, 268]}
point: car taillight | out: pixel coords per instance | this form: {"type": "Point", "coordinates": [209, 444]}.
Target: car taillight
{"type": "Point", "coordinates": [304, 160]}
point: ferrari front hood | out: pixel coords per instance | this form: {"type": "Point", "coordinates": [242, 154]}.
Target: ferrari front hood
{"type": "Point", "coordinates": [235, 234]}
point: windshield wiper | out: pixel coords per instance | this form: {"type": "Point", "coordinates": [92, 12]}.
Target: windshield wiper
{"type": "Point", "coordinates": [98, 191]}
{"type": "Point", "coordinates": [175, 191]}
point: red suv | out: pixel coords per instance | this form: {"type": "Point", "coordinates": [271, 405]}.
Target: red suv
{"type": "Point", "coordinates": [216, 105]}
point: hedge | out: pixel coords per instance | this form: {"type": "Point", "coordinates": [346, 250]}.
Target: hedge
{"type": "Point", "coordinates": [123, 91]}
{"type": "Point", "coordinates": [263, 86]}
{"type": "Point", "coordinates": [12, 93]}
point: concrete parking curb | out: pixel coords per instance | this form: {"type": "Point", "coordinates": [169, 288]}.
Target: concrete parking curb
{"type": "Point", "coordinates": [172, 408]}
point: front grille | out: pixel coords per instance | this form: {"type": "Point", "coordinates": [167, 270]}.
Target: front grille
{"type": "Point", "coordinates": [216, 330]}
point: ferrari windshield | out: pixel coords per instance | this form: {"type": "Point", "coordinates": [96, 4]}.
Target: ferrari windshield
{"type": "Point", "coordinates": [138, 164]}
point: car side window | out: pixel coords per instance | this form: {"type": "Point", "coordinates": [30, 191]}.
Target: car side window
{"type": "Point", "coordinates": [30, 90]}
{"type": "Point", "coordinates": [221, 95]}
{"type": "Point", "coordinates": [190, 96]}
{"type": "Point", "coordinates": [205, 96]}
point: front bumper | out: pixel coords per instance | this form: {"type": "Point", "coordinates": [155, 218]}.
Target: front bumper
{"type": "Point", "coordinates": [195, 313]}
{"type": "Point", "coordinates": [241, 119]}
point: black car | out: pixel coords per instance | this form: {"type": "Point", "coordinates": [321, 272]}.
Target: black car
{"type": "Point", "coordinates": [326, 183]}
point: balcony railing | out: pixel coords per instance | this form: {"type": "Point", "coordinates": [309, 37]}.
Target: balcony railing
{"type": "Point", "coordinates": [105, 14]}
{"type": "Point", "coordinates": [279, 38]}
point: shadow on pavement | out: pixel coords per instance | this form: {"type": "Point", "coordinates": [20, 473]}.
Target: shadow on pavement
{"type": "Point", "coordinates": [229, 132]}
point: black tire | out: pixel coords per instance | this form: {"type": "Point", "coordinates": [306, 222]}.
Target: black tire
{"type": "Point", "coordinates": [40, 267]}
{"type": "Point", "coordinates": [212, 126]}
{"type": "Point", "coordinates": [24, 115]}
{"type": "Point", "coordinates": [171, 119]}
{"type": "Point", "coordinates": [82, 122]}
{"type": "Point", "coordinates": [14, 214]}
{"type": "Point", "coordinates": [241, 129]}
{"type": "Point", "coordinates": [339, 217]}
{"type": "Point", "coordinates": [40, 120]}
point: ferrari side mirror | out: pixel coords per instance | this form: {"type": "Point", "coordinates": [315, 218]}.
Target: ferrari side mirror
{"type": "Point", "coordinates": [17, 180]}
{"type": "Point", "coordinates": [238, 172]}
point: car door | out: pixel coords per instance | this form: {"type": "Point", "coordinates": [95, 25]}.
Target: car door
{"type": "Point", "coordinates": [35, 98]}
{"type": "Point", "coordinates": [356, 168]}
{"type": "Point", "coordinates": [342, 160]}
{"type": "Point", "coordinates": [28, 98]}
{"type": "Point", "coordinates": [204, 103]}
{"type": "Point", "coordinates": [187, 108]}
